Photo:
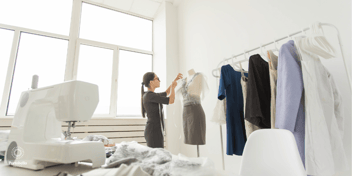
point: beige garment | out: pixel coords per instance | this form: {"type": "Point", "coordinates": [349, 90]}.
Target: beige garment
{"type": "Point", "coordinates": [273, 59]}
{"type": "Point", "coordinates": [248, 125]}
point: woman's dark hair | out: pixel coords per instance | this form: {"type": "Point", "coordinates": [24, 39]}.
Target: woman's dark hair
{"type": "Point", "coordinates": [149, 76]}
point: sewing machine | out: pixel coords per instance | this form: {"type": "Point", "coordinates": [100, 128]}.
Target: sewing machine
{"type": "Point", "coordinates": [36, 141]}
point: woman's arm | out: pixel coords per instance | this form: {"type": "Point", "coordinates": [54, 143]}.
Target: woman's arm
{"type": "Point", "coordinates": [172, 95]}
{"type": "Point", "coordinates": [168, 90]}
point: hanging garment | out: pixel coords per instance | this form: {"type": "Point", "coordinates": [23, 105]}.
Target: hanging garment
{"type": "Point", "coordinates": [273, 83]}
{"type": "Point", "coordinates": [219, 114]}
{"type": "Point", "coordinates": [230, 87]}
{"type": "Point", "coordinates": [258, 92]}
{"type": "Point", "coordinates": [194, 127]}
{"type": "Point", "coordinates": [154, 129]}
{"type": "Point", "coordinates": [250, 127]}
{"type": "Point", "coordinates": [324, 150]}
{"type": "Point", "coordinates": [289, 100]}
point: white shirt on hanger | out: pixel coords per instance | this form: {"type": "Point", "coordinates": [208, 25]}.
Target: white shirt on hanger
{"type": "Point", "coordinates": [324, 150]}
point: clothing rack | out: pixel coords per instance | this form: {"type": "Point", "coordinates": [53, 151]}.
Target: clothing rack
{"type": "Point", "coordinates": [282, 38]}
{"type": "Point", "coordinates": [218, 68]}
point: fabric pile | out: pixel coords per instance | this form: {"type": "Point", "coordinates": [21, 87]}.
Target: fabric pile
{"type": "Point", "coordinates": [157, 161]}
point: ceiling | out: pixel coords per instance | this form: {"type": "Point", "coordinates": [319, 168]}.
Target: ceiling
{"type": "Point", "coordinates": [146, 8]}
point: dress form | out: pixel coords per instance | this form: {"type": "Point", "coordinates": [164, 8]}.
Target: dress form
{"type": "Point", "coordinates": [191, 73]}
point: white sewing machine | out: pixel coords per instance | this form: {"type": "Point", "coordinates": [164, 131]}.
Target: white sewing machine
{"type": "Point", "coordinates": [35, 139]}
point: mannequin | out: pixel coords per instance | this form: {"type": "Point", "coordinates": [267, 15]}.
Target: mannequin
{"type": "Point", "coordinates": [193, 89]}
{"type": "Point", "coordinates": [191, 72]}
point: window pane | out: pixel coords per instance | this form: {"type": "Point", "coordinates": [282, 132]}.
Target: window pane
{"type": "Point", "coordinates": [50, 16]}
{"type": "Point", "coordinates": [6, 37]}
{"type": "Point", "coordinates": [132, 67]}
{"type": "Point", "coordinates": [104, 25]}
{"type": "Point", "coordinates": [37, 55]}
{"type": "Point", "coordinates": [95, 66]}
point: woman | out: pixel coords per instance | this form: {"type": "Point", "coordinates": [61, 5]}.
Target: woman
{"type": "Point", "coordinates": [152, 105]}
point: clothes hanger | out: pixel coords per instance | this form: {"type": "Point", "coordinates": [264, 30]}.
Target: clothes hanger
{"type": "Point", "coordinates": [275, 45]}
{"type": "Point", "coordinates": [317, 43]}
{"type": "Point", "coordinates": [242, 71]}
{"type": "Point", "coordinates": [240, 61]}
{"type": "Point", "coordinates": [227, 62]}
{"type": "Point", "coordinates": [234, 64]}
{"type": "Point", "coordinates": [244, 60]}
{"type": "Point", "coordinates": [262, 53]}
{"type": "Point", "coordinates": [240, 64]}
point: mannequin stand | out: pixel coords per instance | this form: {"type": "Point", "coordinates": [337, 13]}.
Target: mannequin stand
{"type": "Point", "coordinates": [198, 151]}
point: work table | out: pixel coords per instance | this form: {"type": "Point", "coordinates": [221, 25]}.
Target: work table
{"type": "Point", "coordinates": [49, 171]}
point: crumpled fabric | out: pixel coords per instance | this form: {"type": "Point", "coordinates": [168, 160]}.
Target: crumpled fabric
{"type": "Point", "coordinates": [158, 161]}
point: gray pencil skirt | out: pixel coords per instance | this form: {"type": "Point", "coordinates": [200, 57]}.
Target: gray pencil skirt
{"type": "Point", "coordinates": [194, 124]}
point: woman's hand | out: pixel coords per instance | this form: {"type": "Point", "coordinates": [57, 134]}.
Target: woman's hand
{"type": "Point", "coordinates": [173, 84]}
{"type": "Point", "coordinates": [179, 76]}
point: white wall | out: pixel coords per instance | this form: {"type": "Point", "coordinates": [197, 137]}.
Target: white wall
{"type": "Point", "coordinates": [172, 67]}
{"type": "Point", "coordinates": [210, 30]}
{"type": "Point", "coordinates": [165, 35]}
{"type": "Point", "coordinates": [159, 46]}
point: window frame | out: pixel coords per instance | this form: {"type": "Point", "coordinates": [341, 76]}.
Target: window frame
{"type": "Point", "coordinates": [73, 48]}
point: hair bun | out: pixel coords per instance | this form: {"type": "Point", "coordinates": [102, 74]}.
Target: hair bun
{"type": "Point", "coordinates": [142, 83]}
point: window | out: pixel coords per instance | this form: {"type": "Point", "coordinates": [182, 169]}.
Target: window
{"type": "Point", "coordinates": [132, 67]}
{"type": "Point", "coordinates": [37, 55]}
{"type": "Point", "coordinates": [6, 37]}
{"type": "Point", "coordinates": [95, 66]}
{"type": "Point", "coordinates": [108, 48]}
{"type": "Point", "coordinates": [50, 16]}
{"type": "Point", "coordinates": [101, 24]}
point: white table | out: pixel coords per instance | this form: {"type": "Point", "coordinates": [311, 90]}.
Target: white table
{"type": "Point", "coordinates": [6, 170]}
